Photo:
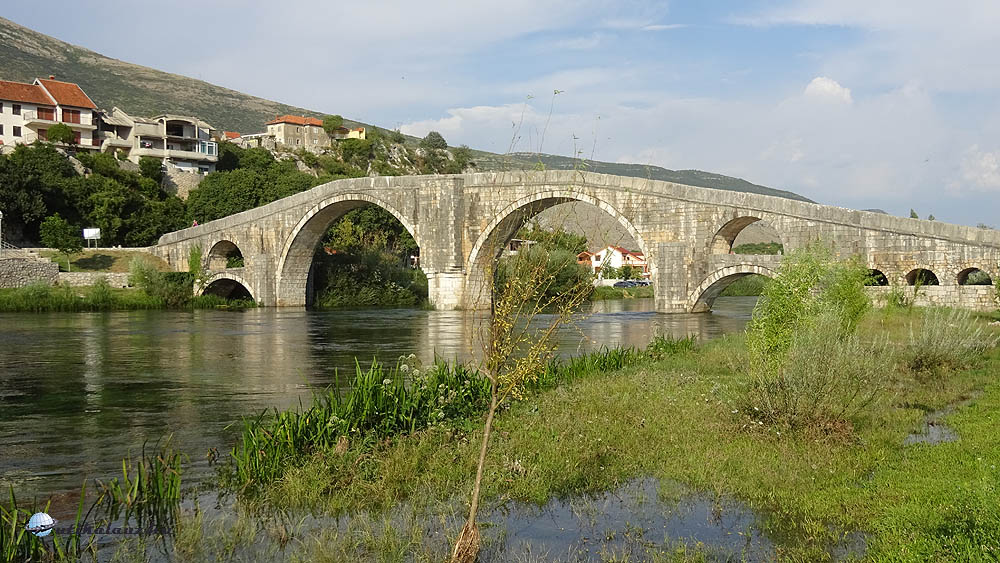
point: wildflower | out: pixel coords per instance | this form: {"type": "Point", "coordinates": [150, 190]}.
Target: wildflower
{"type": "Point", "coordinates": [404, 368]}
{"type": "Point", "coordinates": [386, 381]}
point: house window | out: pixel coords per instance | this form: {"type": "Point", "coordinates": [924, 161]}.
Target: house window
{"type": "Point", "coordinates": [16, 108]}
{"type": "Point", "coordinates": [1, 128]}
{"type": "Point", "coordinates": [17, 131]}
{"type": "Point", "coordinates": [71, 116]}
{"type": "Point", "coordinates": [298, 141]}
{"type": "Point", "coordinates": [315, 141]}
{"type": "Point", "coordinates": [47, 114]}
{"type": "Point", "coordinates": [43, 134]}
{"type": "Point", "coordinates": [76, 137]}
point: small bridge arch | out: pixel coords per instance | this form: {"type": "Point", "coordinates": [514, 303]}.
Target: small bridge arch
{"type": "Point", "coordinates": [296, 256]}
{"type": "Point", "coordinates": [704, 295]}
{"type": "Point", "coordinates": [229, 285]}
{"type": "Point", "coordinates": [221, 253]}
{"type": "Point", "coordinates": [505, 223]}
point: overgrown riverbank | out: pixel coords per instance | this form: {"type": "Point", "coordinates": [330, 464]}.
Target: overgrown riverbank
{"type": "Point", "coordinates": [43, 298]}
{"type": "Point", "coordinates": [599, 423]}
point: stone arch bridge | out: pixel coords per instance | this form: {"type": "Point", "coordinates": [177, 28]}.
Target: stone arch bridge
{"type": "Point", "coordinates": [462, 223]}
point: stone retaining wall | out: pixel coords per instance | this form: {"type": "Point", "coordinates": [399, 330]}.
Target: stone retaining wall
{"type": "Point", "coordinates": [19, 272]}
{"type": "Point", "coordinates": [79, 279]}
{"type": "Point", "coordinates": [975, 297]}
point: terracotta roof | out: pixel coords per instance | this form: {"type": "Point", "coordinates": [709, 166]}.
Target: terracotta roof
{"type": "Point", "coordinates": [20, 92]}
{"type": "Point", "coordinates": [296, 120]}
{"type": "Point", "coordinates": [231, 134]}
{"type": "Point", "coordinates": [67, 93]}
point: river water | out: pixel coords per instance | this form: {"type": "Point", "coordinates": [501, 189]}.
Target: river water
{"type": "Point", "coordinates": [79, 391]}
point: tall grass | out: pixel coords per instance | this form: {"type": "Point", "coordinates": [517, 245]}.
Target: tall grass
{"type": "Point", "coordinates": [386, 402]}
{"type": "Point", "coordinates": [945, 340]}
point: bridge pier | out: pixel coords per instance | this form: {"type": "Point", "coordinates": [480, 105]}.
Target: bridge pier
{"type": "Point", "coordinates": [446, 289]}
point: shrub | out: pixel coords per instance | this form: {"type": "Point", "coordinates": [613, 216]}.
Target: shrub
{"type": "Point", "coordinates": [946, 339]}
{"type": "Point", "coordinates": [809, 282]}
{"type": "Point", "coordinates": [101, 297]}
{"type": "Point", "coordinates": [826, 381]}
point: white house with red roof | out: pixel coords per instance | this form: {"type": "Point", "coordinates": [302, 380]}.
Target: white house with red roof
{"type": "Point", "coordinates": [614, 257]}
{"type": "Point", "coordinates": [27, 111]}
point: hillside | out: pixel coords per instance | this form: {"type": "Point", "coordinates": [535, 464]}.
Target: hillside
{"type": "Point", "coordinates": [26, 54]}
{"type": "Point", "coordinates": [687, 177]}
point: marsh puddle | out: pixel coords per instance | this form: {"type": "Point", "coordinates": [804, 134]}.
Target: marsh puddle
{"type": "Point", "coordinates": [933, 430]}
{"type": "Point", "coordinates": [632, 522]}
{"type": "Point", "coordinates": [639, 521]}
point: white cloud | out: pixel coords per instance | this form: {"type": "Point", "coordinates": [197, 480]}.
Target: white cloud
{"type": "Point", "coordinates": [663, 27]}
{"type": "Point", "coordinates": [980, 170]}
{"type": "Point", "coordinates": [827, 89]}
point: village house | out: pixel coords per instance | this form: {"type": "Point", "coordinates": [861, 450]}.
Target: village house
{"type": "Point", "coordinates": [27, 111]}
{"type": "Point", "coordinates": [298, 132]}
{"type": "Point", "coordinates": [613, 257]}
{"type": "Point", "coordinates": [180, 141]}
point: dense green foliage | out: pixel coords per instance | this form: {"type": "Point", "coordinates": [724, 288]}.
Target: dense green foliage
{"type": "Point", "coordinates": [759, 248]}
{"type": "Point", "coordinates": [433, 141]}
{"type": "Point", "coordinates": [151, 168]}
{"type": "Point", "coordinates": [56, 233]}
{"type": "Point", "coordinates": [60, 133]}
{"type": "Point", "coordinates": [331, 123]}
{"type": "Point", "coordinates": [746, 286]}
{"type": "Point", "coordinates": [37, 181]}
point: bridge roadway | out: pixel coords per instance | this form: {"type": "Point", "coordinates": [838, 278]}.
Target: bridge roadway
{"type": "Point", "coordinates": [463, 222]}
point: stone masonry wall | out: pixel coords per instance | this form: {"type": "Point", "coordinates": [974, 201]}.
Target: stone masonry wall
{"type": "Point", "coordinates": [80, 279]}
{"type": "Point", "coordinates": [179, 182]}
{"type": "Point", "coordinates": [20, 272]}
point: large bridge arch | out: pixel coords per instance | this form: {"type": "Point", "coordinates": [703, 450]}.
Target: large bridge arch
{"type": "Point", "coordinates": [703, 296]}
{"type": "Point", "coordinates": [295, 259]}
{"type": "Point", "coordinates": [515, 215]}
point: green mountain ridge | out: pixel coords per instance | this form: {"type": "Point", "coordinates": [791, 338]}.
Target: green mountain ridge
{"type": "Point", "coordinates": [26, 54]}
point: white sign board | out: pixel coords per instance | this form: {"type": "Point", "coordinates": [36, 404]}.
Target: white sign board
{"type": "Point", "coordinates": [92, 234]}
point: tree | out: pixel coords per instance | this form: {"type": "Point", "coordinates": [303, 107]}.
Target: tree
{"type": "Point", "coordinates": [61, 133]}
{"type": "Point", "coordinates": [331, 123]}
{"type": "Point", "coordinates": [630, 272]}
{"type": "Point", "coordinates": [433, 140]}
{"type": "Point", "coordinates": [57, 233]}
{"type": "Point", "coordinates": [930, 217]}
{"type": "Point", "coordinates": [913, 214]}
{"type": "Point", "coordinates": [397, 137]}
{"type": "Point", "coordinates": [518, 342]}
{"type": "Point", "coordinates": [152, 168]}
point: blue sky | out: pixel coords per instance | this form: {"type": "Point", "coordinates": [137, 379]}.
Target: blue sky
{"type": "Point", "coordinates": [858, 103]}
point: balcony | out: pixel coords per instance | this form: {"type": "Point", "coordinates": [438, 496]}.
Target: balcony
{"type": "Point", "coordinates": [34, 117]}
{"type": "Point", "coordinates": [174, 153]}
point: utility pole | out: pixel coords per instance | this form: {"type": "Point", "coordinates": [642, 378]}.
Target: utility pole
{"type": "Point", "coordinates": [1, 234]}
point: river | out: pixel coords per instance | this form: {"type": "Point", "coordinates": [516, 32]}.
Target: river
{"type": "Point", "coordinates": [79, 391]}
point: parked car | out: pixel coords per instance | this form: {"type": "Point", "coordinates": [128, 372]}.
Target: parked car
{"type": "Point", "coordinates": [624, 283]}
{"type": "Point", "coordinates": [641, 283]}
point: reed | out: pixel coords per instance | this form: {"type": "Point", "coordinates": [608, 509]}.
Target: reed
{"type": "Point", "coordinates": [149, 489]}
{"type": "Point", "coordinates": [18, 544]}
